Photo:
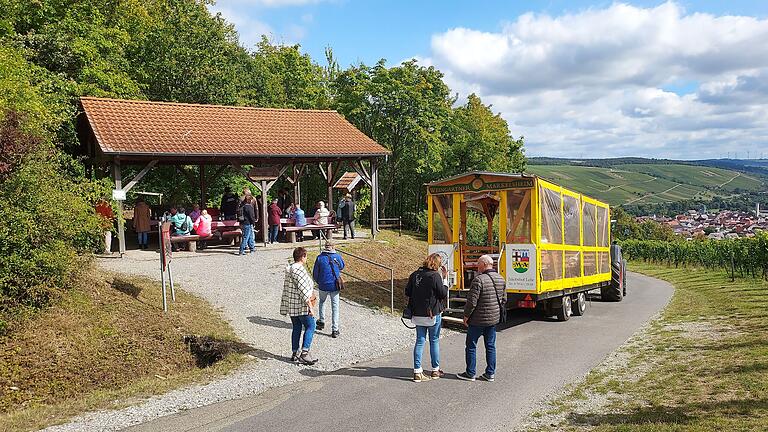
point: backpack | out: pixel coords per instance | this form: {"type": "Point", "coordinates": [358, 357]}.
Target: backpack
{"type": "Point", "coordinates": [185, 225]}
{"type": "Point", "coordinates": [240, 215]}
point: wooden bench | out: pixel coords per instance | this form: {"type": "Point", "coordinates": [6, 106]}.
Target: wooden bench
{"type": "Point", "coordinates": [192, 239]}
{"type": "Point", "coordinates": [290, 228]}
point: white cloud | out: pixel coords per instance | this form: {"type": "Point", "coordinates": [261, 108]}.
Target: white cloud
{"type": "Point", "coordinates": [591, 83]}
{"type": "Point", "coordinates": [249, 29]}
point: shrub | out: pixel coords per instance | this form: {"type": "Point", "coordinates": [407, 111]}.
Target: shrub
{"type": "Point", "coordinates": [46, 221]}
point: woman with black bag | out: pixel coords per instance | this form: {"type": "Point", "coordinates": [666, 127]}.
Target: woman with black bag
{"type": "Point", "coordinates": [426, 292]}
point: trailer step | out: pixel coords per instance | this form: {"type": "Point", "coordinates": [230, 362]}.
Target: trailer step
{"type": "Point", "coordinates": [453, 320]}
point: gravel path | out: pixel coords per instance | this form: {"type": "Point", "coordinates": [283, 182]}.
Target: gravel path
{"type": "Point", "coordinates": [247, 290]}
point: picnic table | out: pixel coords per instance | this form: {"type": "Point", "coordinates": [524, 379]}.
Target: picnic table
{"type": "Point", "coordinates": [290, 228]}
{"type": "Point", "coordinates": [219, 230]}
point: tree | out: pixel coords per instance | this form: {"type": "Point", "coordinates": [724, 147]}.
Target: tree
{"type": "Point", "coordinates": [405, 108]}
{"type": "Point", "coordinates": [480, 140]}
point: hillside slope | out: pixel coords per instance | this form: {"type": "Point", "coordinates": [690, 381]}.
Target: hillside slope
{"type": "Point", "coordinates": [644, 182]}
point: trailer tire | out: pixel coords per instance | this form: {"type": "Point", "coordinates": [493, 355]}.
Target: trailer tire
{"type": "Point", "coordinates": [579, 304]}
{"type": "Point", "coordinates": [624, 271]}
{"type": "Point", "coordinates": [564, 308]}
{"type": "Point", "coordinates": [615, 290]}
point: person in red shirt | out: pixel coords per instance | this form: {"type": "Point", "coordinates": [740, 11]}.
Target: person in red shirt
{"type": "Point", "coordinates": [274, 212]}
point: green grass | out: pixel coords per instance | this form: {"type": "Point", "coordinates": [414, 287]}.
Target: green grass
{"type": "Point", "coordinates": [703, 365]}
{"type": "Point", "coordinates": [648, 183]}
{"type": "Point", "coordinates": [105, 344]}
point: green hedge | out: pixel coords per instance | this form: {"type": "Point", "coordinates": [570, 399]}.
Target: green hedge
{"type": "Point", "coordinates": [745, 256]}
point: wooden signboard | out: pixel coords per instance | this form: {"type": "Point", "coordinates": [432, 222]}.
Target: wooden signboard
{"type": "Point", "coordinates": [165, 244]}
{"type": "Point", "coordinates": [268, 173]}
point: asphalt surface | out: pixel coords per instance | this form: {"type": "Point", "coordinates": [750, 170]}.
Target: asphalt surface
{"type": "Point", "coordinates": [536, 357]}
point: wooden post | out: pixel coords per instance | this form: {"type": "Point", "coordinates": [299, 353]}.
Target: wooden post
{"type": "Point", "coordinates": [329, 182]}
{"type": "Point", "coordinates": [117, 175]}
{"type": "Point", "coordinates": [374, 198]}
{"type": "Point", "coordinates": [264, 205]}
{"type": "Point", "coordinates": [203, 186]}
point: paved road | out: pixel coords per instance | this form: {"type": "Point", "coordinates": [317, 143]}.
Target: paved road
{"type": "Point", "coordinates": [536, 357]}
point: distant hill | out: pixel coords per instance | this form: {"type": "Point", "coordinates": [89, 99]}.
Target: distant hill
{"type": "Point", "coordinates": [633, 181]}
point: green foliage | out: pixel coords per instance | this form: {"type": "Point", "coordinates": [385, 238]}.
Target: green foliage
{"type": "Point", "coordinates": [47, 222]}
{"type": "Point", "coordinates": [626, 227]}
{"type": "Point", "coordinates": [480, 140]}
{"type": "Point", "coordinates": [747, 256]}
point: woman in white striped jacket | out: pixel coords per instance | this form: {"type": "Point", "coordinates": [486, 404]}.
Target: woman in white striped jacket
{"type": "Point", "coordinates": [298, 299]}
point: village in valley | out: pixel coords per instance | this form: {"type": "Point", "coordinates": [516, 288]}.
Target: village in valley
{"type": "Point", "coordinates": [719, 225]}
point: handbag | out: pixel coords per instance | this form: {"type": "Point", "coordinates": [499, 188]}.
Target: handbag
{"type": "Point", "coordinates": [339, 280]}
{"type": "Point", "coordinates": [502, 311]}
{"type": "Point", "coordinates": [407, 315]}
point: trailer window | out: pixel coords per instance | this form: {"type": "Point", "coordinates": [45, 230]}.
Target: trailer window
{"type": "Point", "coordinates": [605, 262]}
{"type": "Point", "coordinates": [572, 264]}
{"type": "Point", "coordinates": [589, 224]}
{"type": "Point", "coordinates": [590, 263]}
{"type": "Point", "coordinates": [442, 219]}
{"type": "Point", "coordinates": [602, 226]}
{"type": "Point", "coordinates": [571, 219]}
{"type": "Point", "coordinates": [551, 265]}
{"type": "Point", "coordinates": [519, 216]}
{"type": "Point", "coordinates": [551, 216]}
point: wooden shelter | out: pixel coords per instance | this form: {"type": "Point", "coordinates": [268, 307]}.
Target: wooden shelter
{"type": "Point", "coordinates": [275, 143]}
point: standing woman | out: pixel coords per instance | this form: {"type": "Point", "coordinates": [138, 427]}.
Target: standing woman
{"type": "Point", "coordinates": [426, 291]}
{"type": "Point", "coordinates": [141, 223]}
{"type": "Point", "coordinates": [297, 302]}
{"type": "Point", "coordinates": [249, 220]}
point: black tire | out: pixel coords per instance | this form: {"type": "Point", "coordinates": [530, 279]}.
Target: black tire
{"type": "Point", "coordinates": [579, 304]}
{"type": "Point", "coordinates": [624, 270]}
{"type": "Point", "coordinates": [564, 308]}
{"type": "Point", "coordinates": [614, 291]}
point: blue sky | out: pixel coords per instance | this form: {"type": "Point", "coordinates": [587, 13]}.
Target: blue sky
{"type": "Point", "coordinates": [597, 78]}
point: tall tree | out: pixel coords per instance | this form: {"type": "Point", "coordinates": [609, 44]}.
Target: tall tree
{"type": "Point", "coordinates": [405, 108]}
{"type": "Point", "coordinates": [480, 140]}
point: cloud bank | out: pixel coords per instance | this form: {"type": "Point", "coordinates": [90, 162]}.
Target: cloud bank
{"type": "Point", "coordinates": [619, 81]}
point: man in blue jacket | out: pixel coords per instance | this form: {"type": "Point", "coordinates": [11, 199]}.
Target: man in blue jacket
{"type": "Point", "coordinates": [327, 273]}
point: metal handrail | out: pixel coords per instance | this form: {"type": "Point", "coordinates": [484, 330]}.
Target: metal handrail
{"type": "Point", "coordinates": [391, 277]}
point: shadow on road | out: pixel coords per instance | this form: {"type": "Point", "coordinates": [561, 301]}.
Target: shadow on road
{"type": "Point", "coordinates": [396, 373]}
{"type": "Point", "coordinates": [270, 322]}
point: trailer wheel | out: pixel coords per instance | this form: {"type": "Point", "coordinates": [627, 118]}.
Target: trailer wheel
{"type": "Point", "coordinates": [580, 305]}
{"type": "Point", "coordinates": [624, 273]}
{"type": "Point", "coordinates": [564, 309]}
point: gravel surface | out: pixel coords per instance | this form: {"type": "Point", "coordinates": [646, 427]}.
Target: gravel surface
{"type": "Point", "coordinates": [247, 290]}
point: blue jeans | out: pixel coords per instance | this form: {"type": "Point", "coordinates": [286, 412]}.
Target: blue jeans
{"type": "Point", "coordinates": [273, 231]}
{"type": "Point", "coordinates": [489, 337]}
{"type": "Point", "coordinates": [143, 237]}
{"type": "Point", "coordinates": [308, 323]}
{"type": "Point", "coordinates": [434, 345]}
{"type": "Point", "coordinates": [247, 239]}
{"type": "Point", "coordinates": [334, 308]}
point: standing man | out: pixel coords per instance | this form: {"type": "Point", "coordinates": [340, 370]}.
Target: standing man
{"type": "Point", "coordinates": [274, 212]}
{"type": "Point", "coordinates": [347, 214]}
{"type": "Point", "coordinates": [327, 274]}
{"type": "Point", "coordinates": [246, 225]}
{"type": "Point", "coordinates": [485, 307]}
{"type": "Point", "coordinates": [297, 301]}
{"type": "Point", "coordinates": [229, 204]}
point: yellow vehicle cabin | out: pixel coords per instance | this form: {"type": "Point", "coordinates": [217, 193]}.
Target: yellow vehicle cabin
{"type": "Point", "coordinates": [550, 244]}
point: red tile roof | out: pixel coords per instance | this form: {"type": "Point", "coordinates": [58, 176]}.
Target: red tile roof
{"type": "Point", "coordinates": [348, 181]}
{"type": "Point", "coordinates": [132, 127]}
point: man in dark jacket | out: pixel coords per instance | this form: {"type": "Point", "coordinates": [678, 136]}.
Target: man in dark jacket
{"type": "Point", "coordinates": [249, 220]}
{"type": "Point", "coordinates": [229, 204]}
{"type": "Point", "coordinates": [347, 214]}
{"type": "Point", "coordinates": [486, 302]}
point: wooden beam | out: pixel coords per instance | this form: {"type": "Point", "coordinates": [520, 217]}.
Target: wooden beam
{"type": "Point", "coordinates": [140, 175]}
{"type": "Point", "coordinates": [322, 171]}
{"type": "Point", "coordinates": [446, 223]}
{"type": "Point", "coordinates": [360, 169]}
{"type": "Point", "coordinates": [519, 216]}
{"type": "Point", "coordinates": [280, 174]}
{"type": "Point", "coordinates": [264, 226]}
{"type": "Point", "coordinates": [117, 175]}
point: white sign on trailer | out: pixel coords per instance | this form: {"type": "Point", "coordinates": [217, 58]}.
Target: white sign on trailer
{"type": "Point", "coordinates": [521, 266]}
{"type": "Point", "coordinates": [446, 251]}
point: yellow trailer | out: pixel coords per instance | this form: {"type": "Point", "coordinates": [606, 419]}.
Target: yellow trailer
{"type": "Point", "coordinates": [550, 244]}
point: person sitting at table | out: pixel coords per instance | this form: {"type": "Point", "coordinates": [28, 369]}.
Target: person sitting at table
{"type": "Point", "coordinates": [195, 213]}
{"type": "Point", "coordinates": [229, 203]}
{"type": "Point", "coordinates": [141, 215]}
{"type": "Point", "coordinates": [203, 228]}
{"type": "Point", "coordinates": [299, 220]}
{"type": "Point", "coordinates": [181, 224]}
{"type": "Point", "coordinates": [321, 217]}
